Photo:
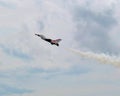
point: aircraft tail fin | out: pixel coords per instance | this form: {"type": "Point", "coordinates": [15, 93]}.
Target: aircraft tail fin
{"type": "Point", "coordinates": [58, 40]}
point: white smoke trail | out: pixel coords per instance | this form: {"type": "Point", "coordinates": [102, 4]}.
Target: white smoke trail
{"type": "Point", "coordinates": [102, 58]}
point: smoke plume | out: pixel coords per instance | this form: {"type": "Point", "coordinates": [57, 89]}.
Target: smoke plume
{"type": "Point", "coordinates": [102, 58]}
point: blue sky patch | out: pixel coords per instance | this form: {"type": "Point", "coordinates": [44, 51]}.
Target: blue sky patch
{"type": "Point", "coordinates": [8, 90]}
{"type": "Point", "coordinates": [15, 53]}
{"type": "Point", "coordinates": [7, 5]}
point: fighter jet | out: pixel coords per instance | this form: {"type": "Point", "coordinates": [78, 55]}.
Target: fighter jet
{"type": "Point", "coordinates": [53, 42]}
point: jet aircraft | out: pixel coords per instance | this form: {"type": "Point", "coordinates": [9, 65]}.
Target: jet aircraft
{"type": "Point", "coordinates": [53, 42]}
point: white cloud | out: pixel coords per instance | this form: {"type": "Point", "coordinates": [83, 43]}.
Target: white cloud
{"type": "Point", "coordinates": [55, 19]}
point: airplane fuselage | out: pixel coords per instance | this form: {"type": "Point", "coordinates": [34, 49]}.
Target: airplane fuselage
{"type": "Point", "coordinates": [53, 42]}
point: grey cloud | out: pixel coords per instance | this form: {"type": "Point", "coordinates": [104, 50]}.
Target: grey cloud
{"type": "Point", "coordinates": [93, 32]}
{"type": "Point", "coordinates": [104, 19]}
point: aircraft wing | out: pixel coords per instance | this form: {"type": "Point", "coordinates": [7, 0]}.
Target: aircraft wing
{"type": "Point", "coordinates": [42, 36]}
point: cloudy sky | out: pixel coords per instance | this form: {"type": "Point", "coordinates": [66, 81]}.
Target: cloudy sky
{"type": "Point", "coordinates": [30, 66]}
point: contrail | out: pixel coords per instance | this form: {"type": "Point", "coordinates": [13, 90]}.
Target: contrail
{"type": "Point", "coordinates": [102, 58]}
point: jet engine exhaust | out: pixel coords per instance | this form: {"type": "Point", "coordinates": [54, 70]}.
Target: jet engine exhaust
{"type": "Point", "coordinates": [102, 58]}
